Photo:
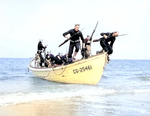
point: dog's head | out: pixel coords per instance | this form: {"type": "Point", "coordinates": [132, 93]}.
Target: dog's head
{"type": "Point", "coordinates": [37, 56]}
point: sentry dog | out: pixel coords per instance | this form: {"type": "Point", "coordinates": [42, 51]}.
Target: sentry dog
{"type": "Point", "coordinates": [37, 60]}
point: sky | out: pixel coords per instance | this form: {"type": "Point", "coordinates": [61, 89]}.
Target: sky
{"type": "Point", "coordinates": [24, 22]}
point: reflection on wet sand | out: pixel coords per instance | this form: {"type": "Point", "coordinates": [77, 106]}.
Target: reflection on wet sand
{"type": "Point", "coordinates": [57, 107]}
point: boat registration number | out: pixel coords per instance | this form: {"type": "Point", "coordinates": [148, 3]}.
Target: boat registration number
{"type": "Point", "coordinates": [82, 69]}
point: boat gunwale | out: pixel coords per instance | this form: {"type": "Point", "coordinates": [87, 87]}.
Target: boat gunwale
{"type": "Point", "coordinates": [62, 66]}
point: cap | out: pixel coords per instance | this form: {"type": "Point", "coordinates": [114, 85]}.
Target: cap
{"type": "Point", "coordinates": [76, 24]}
{"type": "Point", "coordinates": [41, 40]}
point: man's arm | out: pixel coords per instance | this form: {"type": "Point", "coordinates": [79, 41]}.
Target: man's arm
{"type": "Point", "coordinates": [102, 34]}
{"type": "Point", "coordinates": [106, 35]}
{"type": "Point", "coordinates": [42, 46]}
{"type": "Point", "coordinates": [67, 33]}
{"type": "Point", "coordinates": [83, 41]}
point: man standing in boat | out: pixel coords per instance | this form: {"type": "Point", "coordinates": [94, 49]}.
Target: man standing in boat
{"type": "Point", "coordinates": [86, 53]}
{"type": "Point", "coordinates": [104, 42]}
{"type": "Point", "coordinates": [40, 48]}
{"type": "Point", "coordinates": [76, 35]}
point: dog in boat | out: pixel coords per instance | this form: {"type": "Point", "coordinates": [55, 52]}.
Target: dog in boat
{"type": "Point", "coordinates": [49, 60]}
{"type": "Point", "coordinates": [37, 60]}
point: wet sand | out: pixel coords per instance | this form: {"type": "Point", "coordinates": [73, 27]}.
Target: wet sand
{"type": "Point", "coordinates": [57, 107]}
{"type": "Point", "coordinates": [122, 105]}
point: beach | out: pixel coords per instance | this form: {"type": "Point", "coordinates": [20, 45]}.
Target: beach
{"type": "Point", "coordinates": [79, 106]}
{"type": "Point", "coordinates": [38, 108]}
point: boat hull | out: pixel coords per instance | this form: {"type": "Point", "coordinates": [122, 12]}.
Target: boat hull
{"type": "Point", "coordinates": [86, 71]}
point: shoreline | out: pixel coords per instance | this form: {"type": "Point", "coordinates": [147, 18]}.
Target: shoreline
{"type": "Point", "coordinates": [55, 107]}
{"type": "Point", "coordinates": [81, 106]}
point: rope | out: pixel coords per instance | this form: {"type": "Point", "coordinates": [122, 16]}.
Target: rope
{"type": "Point", "coordinates": [60, 73]}
{"type": "Point", "coordinates": [48, 74]}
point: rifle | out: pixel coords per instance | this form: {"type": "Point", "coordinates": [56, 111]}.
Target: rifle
{"type": "Point", "coordinates": [93, 32]}
{"type": "Point", "coordinates": [96, 40]}
{"type": "Point", "coordinates": [69, 38]}
{"type": "Point", "coordinates": [64, 42]}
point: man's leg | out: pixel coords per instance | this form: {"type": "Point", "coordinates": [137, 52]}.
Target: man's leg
{"type": "Point", "coordinates": [70, 52]}
{"type": "Point", "coordinates": [104, 45]}
{"type": "Point", "coordinates": [74, 56]}
{"type": "Point", "coordinates": [41, 59]}
{"type": "Point", "coordinates": [77, 46]}
{"type": "Point", "coordinates": [112, 41]}
{"type": "Point", "coordinates": [110, 50]}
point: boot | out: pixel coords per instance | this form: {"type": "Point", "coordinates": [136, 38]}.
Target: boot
{"type": "Point", "coordinates": [70, 60]}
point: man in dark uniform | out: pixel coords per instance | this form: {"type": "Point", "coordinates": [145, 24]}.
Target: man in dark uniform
{"type": "Point", "coordinates": [76, 35]}
{"type": "Point", "coordinates": [108, 37]}
{"type": "Point", "coordinates": [40, 50]}
{"type": "Point", "coordinates": [58, 59]}
{"type": "Point", "coordinates": [40, 46]}
{"type": "Point", "coordinates": [61, 59]}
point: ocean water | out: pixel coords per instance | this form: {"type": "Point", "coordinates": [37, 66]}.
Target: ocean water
{"type": "Point", "coordinates": [124, 89]}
